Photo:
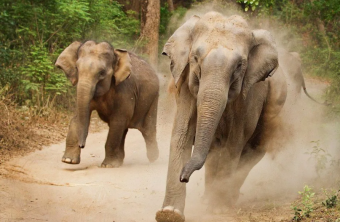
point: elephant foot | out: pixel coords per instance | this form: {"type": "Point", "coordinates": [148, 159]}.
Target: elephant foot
{"type": "Point", "coordinates": [111, 163]}
{"type": "Point", "coordinates": [152, 154]}
{"type": "Point", "coordinates": [71, 157]}
{"type": "Point", "coordinates": [169, 214]}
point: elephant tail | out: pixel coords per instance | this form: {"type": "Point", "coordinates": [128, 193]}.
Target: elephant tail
{"type": "Point", "coordinates": [310, 97]}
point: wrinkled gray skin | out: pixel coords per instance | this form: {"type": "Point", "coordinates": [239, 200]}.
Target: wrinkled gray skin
{"type": "Point", "coordinates": [292, 68]}
{"type": "Point", "coordinates": [225, 106]}
{"type": "Point", "coordinates": [121, 87]}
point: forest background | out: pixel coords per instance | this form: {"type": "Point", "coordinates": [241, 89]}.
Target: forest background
{"type": "Point", "coordinates": [34, 32]}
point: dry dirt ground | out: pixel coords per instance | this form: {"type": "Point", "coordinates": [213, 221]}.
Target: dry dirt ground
{"type": "Point", "coordinates": [39, 187]}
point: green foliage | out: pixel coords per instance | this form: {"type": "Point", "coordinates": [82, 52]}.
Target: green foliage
{"type": "Point", "coordinates": [180, 12]}
{"type": "Point", "coordinates": [333, 93]}
{"type": "Point", "coordinates": [169, 23]}
{"type": "Point", "coordinates": [297, 213]}
{"type": "Point", "coordinates": [332, 199]}
{"type": "Point", "coordinates": [307, 202]}
{"type": "Point", "coordinates": [249, 4]}
{"type": "Point", "coordinates": [253, 4]}
{"type": "Point", "coordinates": [111, 24]}
{"type": "Point", "coordinates": [325, 164]}
{"type": "Point", "coordinates": [320, 155]}
{"type": "Point", "coordinates": [327, 10]}
{"type": "Point", "coordinates": [304, 207]}
{"type": "Point", "coordinates": [165, 17]}
{"type": "Point", "coordinates": [39, 76]}
{"type": "Point", "coordinates": [9, 62]}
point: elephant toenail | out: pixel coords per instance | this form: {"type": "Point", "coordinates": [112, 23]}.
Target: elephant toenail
{"type": "Point", "coordinates": [168, 208]}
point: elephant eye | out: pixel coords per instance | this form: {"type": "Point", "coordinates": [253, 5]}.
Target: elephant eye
{"type": "Point", "coordinates": [101, 73]}
{"type": "Point", "coordinates": [239, 66]}
{"type": "Point", "coordinates": [171, 65]}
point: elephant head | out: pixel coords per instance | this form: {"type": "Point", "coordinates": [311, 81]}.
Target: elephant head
{"type": "Point", "coordinates": [223, 59]}
{"type": "Point", "coordinates": [93, 67]}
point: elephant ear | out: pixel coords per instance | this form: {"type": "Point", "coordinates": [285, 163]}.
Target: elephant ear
{"type": "Point", "coordinates": [67, 62]}
{"type": "Point", "coordinates": [262, 60]}
{"type": "Point", "coordinates": [123, 65]}
{"type": "Point", "coordinates": [178, 47]}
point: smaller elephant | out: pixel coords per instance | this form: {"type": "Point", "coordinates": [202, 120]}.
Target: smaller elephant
{"type": "Point", "coordinates": [121, 87]}
{"type": "Point", "coordinates": [292, 68]}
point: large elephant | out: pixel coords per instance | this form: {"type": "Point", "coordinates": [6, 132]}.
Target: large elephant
{"type": "Point", "coordinates": [225, 107]}
{"type": "Point", "coordinates": [123, 89]}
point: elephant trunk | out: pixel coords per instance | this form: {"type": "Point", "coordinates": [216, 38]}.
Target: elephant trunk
{"type": "Point", "coordinates": [85, 92]}
{"type": "Point", "coordinates": [211, 105]}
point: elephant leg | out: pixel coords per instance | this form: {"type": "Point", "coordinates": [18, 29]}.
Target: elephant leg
{"type": "Point", "coordinates": [253, 152]}
{"type": "Point", "coordinates": [211, 165]}
{"type": "Point", "coordinates": [149, 132]}
{"type": "Point", "coordinates": [72, 151]}
{"type": "Point", "coordinates": [249, 158]}
{"type": "Point", "coordinates": [122, 143]}
{"type": "Point", "coordinates": [233, 169]}
{"type": "Point", "coordinates": [226, 159]}
{"type": "Point", "coordinates": [182, 138]}
{"type": "Point", "coordinates": [219, 198]}
{"type": "Point", "coordinates": [114, 147]}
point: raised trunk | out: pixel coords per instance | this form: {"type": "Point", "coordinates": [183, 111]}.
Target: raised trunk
{"type": "Point", "coordinates": [211, 104]}
{"type": "Point", "coordinates": [85, 91]}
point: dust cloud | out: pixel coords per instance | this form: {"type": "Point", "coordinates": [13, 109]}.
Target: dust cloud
{"type": "Point", "coordinates": [305, 127]}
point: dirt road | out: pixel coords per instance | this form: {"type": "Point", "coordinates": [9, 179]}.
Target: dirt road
{"type": "Point", "coordinates": [39, 187]}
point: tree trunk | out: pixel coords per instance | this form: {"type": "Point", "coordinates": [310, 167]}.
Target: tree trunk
{"type": "Point", "coordinates": [150, 18]}
{"type": "Point", "coordinates": [321, 28]}
{"type": "Point", "coordinates": [171, 5]}
{"type": "Point", "coordinates": [133, 5]}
